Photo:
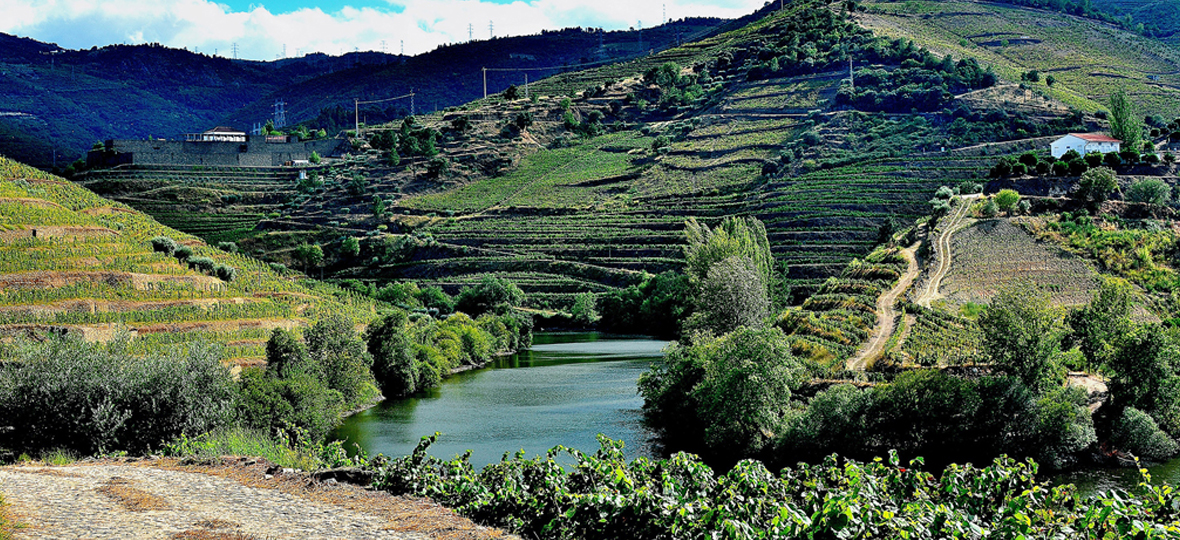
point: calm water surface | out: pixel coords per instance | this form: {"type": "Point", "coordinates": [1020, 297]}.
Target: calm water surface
{"type": "Point", "coordinates": [565, 390]}
{"type": "Point", "coordinates": [1095, 480]}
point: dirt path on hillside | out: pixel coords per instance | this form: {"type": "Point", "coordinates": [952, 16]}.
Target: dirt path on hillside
{"type": "Point", "coordinates": [235, 499]}
{"type": "Point", "coordinates": [942, 251]}
{"type": "Point", "coordinates": [886, 315]}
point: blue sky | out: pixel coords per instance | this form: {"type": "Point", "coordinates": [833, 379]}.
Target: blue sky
{"type": "Point", "coordinates": [262, 28]}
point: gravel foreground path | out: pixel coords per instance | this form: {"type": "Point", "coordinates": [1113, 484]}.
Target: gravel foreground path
{"type": "Point", "coordinates": [230, 500]}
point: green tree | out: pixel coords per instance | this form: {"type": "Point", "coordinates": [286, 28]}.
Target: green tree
{"type": "Point", "coordinates": [745, 394]}
{"type": "Point", "coordinates": [733, 294]}
{"type": "Point", "coordinates": [490, 294]}
{"type": "Point", "coordinates": [334, 345]}
{"type": "Point", "coordinates": [733, 237]}
{"type": "Point", "coordinates": [393, 354]}
{"type": "Point", "coordinates": [1150, 191]}
{"type": "Point", "coordinates": [378, 207]}
{"type": "Point", "coordinates": [731, 393]}
{"type": "Point", "coordinates": [1006, 199]}
{"type": "Point", "coordinates": [436, 298]}
{"type": "Point", "coordinates": [285, 355]}
{"type": "Point", "coordinates": [1096, 185]}
{"type": "Point", "coordinates": [1022, 335]}
{"type": "Point", "coordinates": [1126, 123]}
{"type": "Point", "coordinates": [583, 310]}
{"type": "Point", "coordinates": [312, 256]}
{"type": "Point", "coordinates": [314, 157]}
{"type": "Point", "coordinates": [350, 247]}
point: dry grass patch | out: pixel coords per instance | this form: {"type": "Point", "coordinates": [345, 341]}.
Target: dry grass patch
{"type": "Point", "coordinates": [205, 534]}
{"type": "Point", "coordinates": [45, 472]}
{"type": "Point", "coordinates": [133, 499]}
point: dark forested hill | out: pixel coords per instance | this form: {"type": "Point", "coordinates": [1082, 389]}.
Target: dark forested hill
{"type": "Point", "coordinates": [54, 103]}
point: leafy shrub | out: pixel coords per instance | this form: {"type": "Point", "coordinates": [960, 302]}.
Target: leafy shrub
{"type": "Point", "coordinates": [101, 398]}
{"type": "Point", "coordinates": [1138, 433]}
{"type": "Point", "coordinates": [203, 264]}
{"type": "Point", "coordinates": [164, 244]}
{"type": "Point", "coordinates": [182, 253]}
{"type": "Point", "coordinates": [225, 273]}
{"type": "Point", "coordinates": [301, 400]}
{"type": "Point", "coordinates": [1150, 191]}
{"type": "Point", "coordinates": [603, 496]}
{"type": "Point", "coordinates": [491, 293]}
{"type": "Point", "coordinates": [731, 392]}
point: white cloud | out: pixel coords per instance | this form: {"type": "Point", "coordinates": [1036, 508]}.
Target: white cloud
{"type": "Point", "coordinates": [260, 34]}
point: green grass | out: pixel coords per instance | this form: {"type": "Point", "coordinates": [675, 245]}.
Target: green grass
{"type": "Point", "coordinates": [301, 454]}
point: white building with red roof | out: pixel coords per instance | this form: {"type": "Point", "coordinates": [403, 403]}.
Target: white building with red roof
{"type": "Point", "coordinates": [1084, 143]}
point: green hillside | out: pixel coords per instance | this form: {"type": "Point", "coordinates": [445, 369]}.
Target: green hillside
{"type": "Point", "coordinates": [72, 262]}
{"type": "Point", "coordinates": [585, 186]}
{"type": "Point", "coordinates": [1088, 59]}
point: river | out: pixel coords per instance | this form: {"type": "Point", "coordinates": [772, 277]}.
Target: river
{"type": "Point", "coordinates": [563, 391]}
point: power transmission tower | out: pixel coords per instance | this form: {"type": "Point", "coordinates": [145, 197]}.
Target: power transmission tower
{"type": "Point", "coordinates": [851, 80]}
{"type": "Point", "coordinates": [491, 30]}
{"type": "Point", "coordinates": [403, 47]}
{"type": "Point", "coordinates": [235, 50]}
{"type": "Point", "coordinates": [665, 17]}
{"type": "Point", "coordinates": [641, 37]}
{"type": "Point", "coordinates": [470, 32]}
{"type": "Point", "coordinates": [413, 108]}
{"type": "Point", "coordinates": [383, 46]}
{"type": "Point", "coordinates": [280, 114]}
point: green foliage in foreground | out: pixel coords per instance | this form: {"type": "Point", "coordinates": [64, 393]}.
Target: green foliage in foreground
{"type": "Point", "coordinates": [293, 448]}
{"type": "Point", "coordinates": [72, 395]}
{"type": "Point", "coordinates": [603, 496]}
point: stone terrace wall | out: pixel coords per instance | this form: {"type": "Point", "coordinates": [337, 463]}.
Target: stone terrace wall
{"type": "Point", "coordinates": [255, 152]}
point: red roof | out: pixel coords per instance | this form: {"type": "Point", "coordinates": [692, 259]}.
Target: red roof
{"type": "Point", "coordinates": [223, 129]}
{"type": "Point", "coordinates": [1094, 137]}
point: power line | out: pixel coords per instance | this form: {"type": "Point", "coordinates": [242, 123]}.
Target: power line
{"type": "Point", "coordinates": [357, 107]}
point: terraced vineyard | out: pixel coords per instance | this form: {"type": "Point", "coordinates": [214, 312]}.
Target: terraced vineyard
{"type": "Point", "coordinates": [214, 203]}
{"type": "Point", "coordinates": [71, 261]}
{"type": "Point", "coordinates": [1088, 59]}
{"type": "Point", "coordinates": [586, 186]}
{"type": "Point", "coordinates": [992, 254]}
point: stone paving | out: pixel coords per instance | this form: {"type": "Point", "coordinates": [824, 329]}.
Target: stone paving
{"type": "Point", "coordinates": [147, 501]}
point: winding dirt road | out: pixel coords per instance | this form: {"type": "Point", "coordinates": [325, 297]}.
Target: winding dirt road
{"type": "Point", "coordinates": [886, 315]}
{"type": "Point", "coordinates": [942, 252]}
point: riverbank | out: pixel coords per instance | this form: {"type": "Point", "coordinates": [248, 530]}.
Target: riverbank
{"type": "Point", "coordinates": [227, 498]}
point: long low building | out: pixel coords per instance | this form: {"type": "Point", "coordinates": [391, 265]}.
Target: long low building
{"type": "Point", "coordinates": [1084, 143]}
{"type": "Point", "coordinates": [216, 147]}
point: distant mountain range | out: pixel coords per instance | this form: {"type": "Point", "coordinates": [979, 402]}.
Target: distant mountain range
{"type": "Point", "coordinates": [55, 103]}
